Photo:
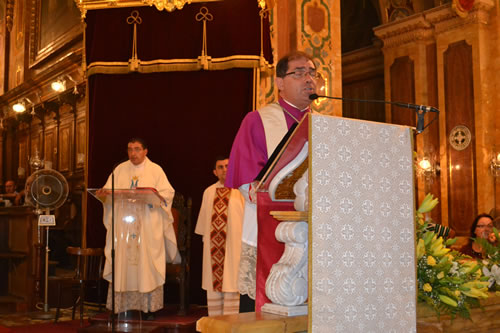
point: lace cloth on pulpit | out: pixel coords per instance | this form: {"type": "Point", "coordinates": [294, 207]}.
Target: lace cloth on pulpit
{"type": "Point", "coordinates": [247, 272]}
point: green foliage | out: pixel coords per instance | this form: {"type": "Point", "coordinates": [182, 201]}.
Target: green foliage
{"type": "Point", "coordinates": [447, 280]}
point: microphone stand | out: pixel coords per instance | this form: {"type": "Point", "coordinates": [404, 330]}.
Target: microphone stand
{"type": "Point", "coordinates": [420, 109]}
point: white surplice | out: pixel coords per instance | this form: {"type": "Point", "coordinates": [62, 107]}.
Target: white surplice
{"type": "Point", "coordinates": [233, 238]}
{"type": "Point", "coordinates": [143, 246]}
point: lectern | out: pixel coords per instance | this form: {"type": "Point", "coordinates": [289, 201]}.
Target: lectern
{"type": "Point", "coordinates": [130, 208]}
{"type": "Point", "coordinates": [344, 245]}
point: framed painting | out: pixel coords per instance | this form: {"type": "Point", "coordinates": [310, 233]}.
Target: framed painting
{"type": "Point", "coordinates": [57, 23]}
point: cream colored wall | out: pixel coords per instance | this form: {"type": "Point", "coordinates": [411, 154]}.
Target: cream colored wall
{"type": "Point", "coordinates": [441, 25]}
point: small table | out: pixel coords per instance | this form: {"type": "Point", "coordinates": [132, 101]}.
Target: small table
{"type": "Point", "coordinates": [252, 322]}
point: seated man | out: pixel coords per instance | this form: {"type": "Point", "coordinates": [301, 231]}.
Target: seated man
{"type": "Point", "coordinates": [11, 196]}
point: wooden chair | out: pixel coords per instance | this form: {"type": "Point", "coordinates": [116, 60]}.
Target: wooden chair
{"type": "Point", "coordinates": [88, 273]}
{"type": "Point", "coordinates": [179, 273]}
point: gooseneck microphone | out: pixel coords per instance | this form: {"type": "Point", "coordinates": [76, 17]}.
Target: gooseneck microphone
{"type": "Point", "coordinates": [420, 109]}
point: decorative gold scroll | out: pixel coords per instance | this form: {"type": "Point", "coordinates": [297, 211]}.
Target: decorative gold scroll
{"type": "Point", "coordinates": [85, 5]}
{"type": "Point", "coordinates": [134, 19]}
{"type": "Point", "coordinates": [204, 15]}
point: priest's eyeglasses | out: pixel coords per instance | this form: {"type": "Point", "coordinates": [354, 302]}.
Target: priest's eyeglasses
{"type": "Point", "coordinates": [300, 73]}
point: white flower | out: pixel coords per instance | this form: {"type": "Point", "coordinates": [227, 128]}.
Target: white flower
{"type": "Point", "coordinates": [494, 275]}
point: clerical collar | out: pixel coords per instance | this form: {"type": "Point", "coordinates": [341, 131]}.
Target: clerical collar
{"type": "Point", "coordinates": [287, 102]}
{"type": "Point", "coordinates": [139, 166]}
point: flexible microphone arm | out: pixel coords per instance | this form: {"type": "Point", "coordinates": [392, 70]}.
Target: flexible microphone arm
{"type": "Point", "coordinates": [420, 109]}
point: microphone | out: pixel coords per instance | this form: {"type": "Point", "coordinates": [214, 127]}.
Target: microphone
{"type": "Point", "coordinates": [421, 109]}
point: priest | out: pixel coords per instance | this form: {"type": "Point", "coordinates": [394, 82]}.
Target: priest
{"type": "Point", "coordinates": [259, 134]}
{"type": "Point", "coordinates": [144, 235]}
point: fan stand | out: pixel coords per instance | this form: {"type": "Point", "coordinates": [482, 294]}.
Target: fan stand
{"type": "Point", "coordinates": [46, 314]}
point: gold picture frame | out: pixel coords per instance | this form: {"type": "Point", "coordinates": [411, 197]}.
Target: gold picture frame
{"type": "Point", "coordinates": [55, 25]}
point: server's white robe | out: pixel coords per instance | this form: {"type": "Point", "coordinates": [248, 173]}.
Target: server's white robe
{"type": "Point", "coordinates": [233, 238]}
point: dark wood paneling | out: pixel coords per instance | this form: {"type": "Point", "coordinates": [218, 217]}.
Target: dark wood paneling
{"type": "Point", "coordinates": [11, 151]}
{"type": "Point", "coordinates": [402, 90]}
{"type": "Point", "coordinates": [80, 143]}
{"type": "Point", "coordinates": [371, 88]}
{"type": "Point", "coordinates": [36, 143]}
{"type": "Point", "coordinates": [431, 146]}
{"type": "Point", "coordinates": [23, 152]}
{"type": "Point", "coordinates": [459, 101]}
{"type": "Point", "coordinates": [402, 76]}
{"type": "Point", "coordinates": [49, 150]}
{"type": "Point", "coordinates": [3, 45]}
{"type": "Point", "coordinates": [65, 147]}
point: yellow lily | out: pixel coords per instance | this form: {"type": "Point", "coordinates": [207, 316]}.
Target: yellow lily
{"type": "Point", "coordinates": [428, 204]}
{"type": "Point", "coordinates": [448, 300]}
{"type": "Point", "coordinates": [420, 248]}
{"type": "Point", "coordinates": [431, 261]}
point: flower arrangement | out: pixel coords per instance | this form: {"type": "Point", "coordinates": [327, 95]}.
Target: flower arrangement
{"type": "Point", "coordinates": [446, 282]}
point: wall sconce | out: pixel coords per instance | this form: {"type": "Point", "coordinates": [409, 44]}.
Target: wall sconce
{"type": "Point", "coordinates": [427, 168]}
{"type": "Point", "coordinates": [59, 85]}
{"type": "Point", "coordinates": [20, 106]}
{"type": "Point", "coordinates": [495, 164]}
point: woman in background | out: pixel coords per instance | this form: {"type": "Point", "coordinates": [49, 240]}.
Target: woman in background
{"type": "Point", "coordinates": [482, 227]}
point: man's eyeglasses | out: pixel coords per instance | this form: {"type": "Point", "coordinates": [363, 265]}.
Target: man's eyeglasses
{"type": "Point", "coordinates": [300, 73]}
{"type": "Point", "coordinates": [136, 149]}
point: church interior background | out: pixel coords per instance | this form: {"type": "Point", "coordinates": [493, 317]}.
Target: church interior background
{"type": "Point", "coordinates": [184, 79]}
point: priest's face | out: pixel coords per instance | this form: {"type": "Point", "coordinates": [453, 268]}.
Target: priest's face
{"type": "Point", "coordinates": [136, 153]}
{"type": "Point", "coordinates": [220, 170]}
{"type": "Point", "coordinates": [298, 83]}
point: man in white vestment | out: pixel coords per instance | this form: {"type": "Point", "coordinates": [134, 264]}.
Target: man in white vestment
{"type": "Point", "coordinates": [144, 235]}
{"type": "Point", "coordinates": [221, 258]}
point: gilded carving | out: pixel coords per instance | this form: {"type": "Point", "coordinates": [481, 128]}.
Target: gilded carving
{"type": "Point", "coordinates": [445, 19]}
{"type": "Point", "coordinates": [9, 17]}
{"type": "Point", "coordinates": [398, 9]}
